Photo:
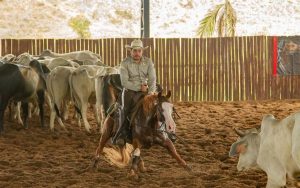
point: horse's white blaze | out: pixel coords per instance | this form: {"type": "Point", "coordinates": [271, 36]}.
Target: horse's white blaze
{"type": "Point", "coordinates": [167, 112]}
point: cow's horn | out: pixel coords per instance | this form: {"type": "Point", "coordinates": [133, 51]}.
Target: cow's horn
{"type": "Point", "coordinates": [238, 132]}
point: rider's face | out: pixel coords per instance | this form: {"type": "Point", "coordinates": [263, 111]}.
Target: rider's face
{"type": "Point", "coordinates": [136, 54]}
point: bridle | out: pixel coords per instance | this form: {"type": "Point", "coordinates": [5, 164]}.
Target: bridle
{"type": "Point", "coordinates": [161, 118]}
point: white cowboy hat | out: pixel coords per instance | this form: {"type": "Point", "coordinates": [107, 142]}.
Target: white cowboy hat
{"type": "Point", "coordinates": [136, 44]}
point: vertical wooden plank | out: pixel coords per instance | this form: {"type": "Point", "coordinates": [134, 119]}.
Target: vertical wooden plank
{"type": "Point", "coordinates": [169, 65]}
{"type": "Point", "coordinates": [112, 52]}
{"type": "Point", "coordinates": [248, 61]}
{"type": "Point", "coordinates": [117, 49]}
{"type": "Point", "coordinates": [182, 72]}
{"type": "Point", "coordinates": [1, 48]}
{"type": "Point", "coordinates": [202, 66]}
{"type": "Point", "coordinates": [236, 69]}
{"type": "Point", "coordinates": [206, 72]}
{"type": "Point", "coordinates": [7, 46]}
{"type": "Point", "coordinates": [266, 68]}
{"type": "Point", "coordinates": [186, 70]}
{"type": "Point", "coordinates": [91, 45]}
{"type": "Point", "coordinates": [178, 68]}
{"type": "Point", "coordinates": [229, 67]}
{"type": "Point", "coordinates": [50, 45]}
{"type": "Point", "coordinates": [30, 46]}
{"type": "Point", "coordinates": [208, 69]}
{"type": "Point", "coordinates": [100, 45]}
{"type": "Point", "coordinates": [242, 67]}
{"type": "Point", "coordinates": [189, 69]}
{"type": "Point", "coordinates": [257, 70]}
{"type": "Point", "coordinates": [213, 67]}
{"type": "Point", "coordinates": [254, 71]}
{"type": "Point", "coordinates": [275, 90]}
{"type": "Point", "coordinates": [198, 70]}
{"type": "Point", "coordinates": [220, 69]}
{"type": "Point", "coordinates": [57, 46]}
{"type": "Point", "coordinates": [260, 69]}
{"type": "Point", "coordinates": [193, 69]}
{"type": "Point", "coordinates": [225, 70]}
{"type": "Point", "coordinates": [14, 46]}
{"type": "Point", "coordinates": [164, 67]}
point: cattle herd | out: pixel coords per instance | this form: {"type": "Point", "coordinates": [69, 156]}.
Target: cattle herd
{"type": "Point", "coordinates": [27, 81]}
{"type": "Point", "coordinates": [75, 80]}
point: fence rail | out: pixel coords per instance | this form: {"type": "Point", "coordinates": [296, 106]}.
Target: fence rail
{"type": "Point", "coordinates": [195, 69]}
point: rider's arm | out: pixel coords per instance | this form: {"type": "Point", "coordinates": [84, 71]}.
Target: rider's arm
{"type": "Point", "coordinates": [151, 78]}
{"type": "Point", "coordinates": [125, 76]}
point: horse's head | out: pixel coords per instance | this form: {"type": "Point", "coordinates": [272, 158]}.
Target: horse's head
{"type": "Point", "coordinates": [158, 111]}
{"type": "Point", "coordinates": [165, 112]}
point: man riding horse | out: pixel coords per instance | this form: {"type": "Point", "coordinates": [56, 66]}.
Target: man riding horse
{"type": "Point", "coordinates": [138, 78]}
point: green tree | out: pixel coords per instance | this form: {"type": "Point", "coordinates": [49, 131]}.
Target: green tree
{"type": "Point", "coordinates": [222, 18]}
{"type": "Point", "coordinates": [81, 25]}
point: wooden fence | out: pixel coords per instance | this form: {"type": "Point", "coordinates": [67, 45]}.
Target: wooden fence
{"type": "Point", "coordinates": [195, 69]}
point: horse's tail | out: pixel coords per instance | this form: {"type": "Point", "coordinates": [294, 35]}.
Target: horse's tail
{"type": "Point", "coordinates": [119, 157]}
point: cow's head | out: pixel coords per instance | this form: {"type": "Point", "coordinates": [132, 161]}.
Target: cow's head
{"type": "Point", "coordinates": [246, 147]}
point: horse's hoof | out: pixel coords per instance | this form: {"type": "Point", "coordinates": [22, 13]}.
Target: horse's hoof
{"type": "Point", "coordinates": [143, 169]}
{"type": "Point", "coordinates": [133, 175]}
{"type": "Point", "coordinates": [188, 168]}
{"type": "Point", "coordinates": [95, 163]}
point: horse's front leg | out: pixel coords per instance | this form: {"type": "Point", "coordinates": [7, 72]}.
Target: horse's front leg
{"type": "Point", "coordinates": [108, 128]}
{"type": "Point", "coordinates": [167, 143]}
{"type": "Point", "coordinates": [141, 165]}
{"type": "Point", "coordinates": [136, 160]}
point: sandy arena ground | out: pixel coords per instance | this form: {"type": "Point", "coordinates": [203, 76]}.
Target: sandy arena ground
{"type": "Point", "coordinates": [38, 158]}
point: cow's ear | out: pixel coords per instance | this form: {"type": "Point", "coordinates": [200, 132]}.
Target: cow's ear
{"type": "Point", "coordinates": [238, 148]}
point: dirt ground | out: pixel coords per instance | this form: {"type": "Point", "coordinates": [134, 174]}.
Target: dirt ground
{"type": "Point", "coordinates": [38, 158]}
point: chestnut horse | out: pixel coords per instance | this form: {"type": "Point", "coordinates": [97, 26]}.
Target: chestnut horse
{"type": "Point", "coordinates": [151, 123]}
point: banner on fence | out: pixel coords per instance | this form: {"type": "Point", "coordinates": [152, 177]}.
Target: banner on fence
{"type": "Point", "coordinates": [286, 55]}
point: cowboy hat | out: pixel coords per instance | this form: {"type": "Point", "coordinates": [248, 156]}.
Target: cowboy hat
{"type": "Point", "coordinates": [136, 44]}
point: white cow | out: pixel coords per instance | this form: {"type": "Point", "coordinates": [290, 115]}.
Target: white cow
{"type": "Point", "coordinates": [99, 88]}
{"type": "Point", "coordinates": [8, 58]}
{"type": "Point", "coordinates": [83, 91]}
{"type": "Point", "coordinates": [52, 63]}
{"type": "Point", "coordinates": [275, 149]}
{"type": "Point", "coordinates": [59, 91]}
{"type": "Point", "coordinates": [84, 56]}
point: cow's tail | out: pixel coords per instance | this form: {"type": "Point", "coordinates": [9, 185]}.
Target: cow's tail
{"type": "Point", "coordinates": [295, 140]}
{"type": "Point", "coordinates": [51, 90]}
{"type": "Point", "coordinates": [73, 94]}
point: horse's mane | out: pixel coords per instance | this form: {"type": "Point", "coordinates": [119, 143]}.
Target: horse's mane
{"type": "Point", "coordinates": [144, 105]}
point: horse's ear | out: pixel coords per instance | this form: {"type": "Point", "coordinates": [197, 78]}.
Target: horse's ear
{"type": "Point", "coordinates": [159, 94]}
{"type": "Point", "coordinates": [168, 94]}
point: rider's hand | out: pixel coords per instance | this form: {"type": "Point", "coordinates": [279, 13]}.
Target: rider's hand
{"type": "Point", "coordinates": [144, 88]}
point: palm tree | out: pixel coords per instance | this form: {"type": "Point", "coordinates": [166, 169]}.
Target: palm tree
{"type": "Point", "coordinates": [222, 18]}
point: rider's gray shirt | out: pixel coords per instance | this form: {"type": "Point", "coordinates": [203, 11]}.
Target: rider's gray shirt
{"type": "Point", "coordinates": [134, 74]}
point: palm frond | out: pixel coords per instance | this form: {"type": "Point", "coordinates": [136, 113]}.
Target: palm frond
{"type": "Point", "coordinates": [231, 20]}
{"type": "Point", "coordinates": [207, 25]}
{"type": "Point", "coordinates": [221, 19]}
{"type": "Point", "coordinates": [221, 24]}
